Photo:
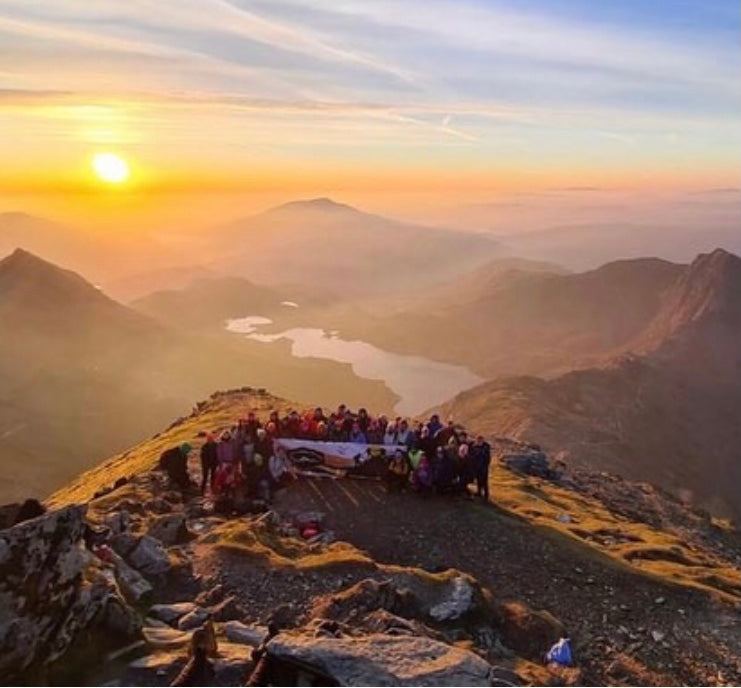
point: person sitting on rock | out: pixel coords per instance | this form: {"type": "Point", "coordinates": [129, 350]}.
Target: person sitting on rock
{"type": "Point", "coordinates": [397, 473]}
{"type": "Point", "coordinates": [174, 462]}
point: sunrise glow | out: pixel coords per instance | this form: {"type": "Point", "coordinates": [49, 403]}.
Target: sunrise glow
{"type": "Point", "coordinates": [110, 168]}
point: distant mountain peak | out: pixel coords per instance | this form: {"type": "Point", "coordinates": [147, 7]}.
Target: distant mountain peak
{"type": "Point", "coordinates": [323, 203]}
{"type": "Point", "coordinates": [22, 257]}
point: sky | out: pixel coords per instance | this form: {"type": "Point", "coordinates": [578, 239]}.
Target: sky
{"type": "Point", "coordinates": [404, 106]}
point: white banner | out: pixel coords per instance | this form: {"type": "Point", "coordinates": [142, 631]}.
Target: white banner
{"type": "Point", "coordinates": [309, 455]}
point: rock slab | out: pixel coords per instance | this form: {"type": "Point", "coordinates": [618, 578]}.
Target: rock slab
{"type": "Point", "coordinates": [384, 660]}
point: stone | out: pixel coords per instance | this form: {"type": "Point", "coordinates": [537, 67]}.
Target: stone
{"type": "Point", "coordinates": [118, 522]}
{"type": "Point", "coordinates": [237, 632]}
{"type": "Point", "coordinates": [657, 636]}
{"type": "Point", "coordinates": [459, 601]}
{"type": "Point", "coordinates": [230, 667]}
{"type": "Point", "coordinates": [124, 543]}
{"type": "Point", "coordinates": [227, 610]}
{"type": "Point", "coordinates": [150, 557]}
{"type": "Point", "coordinates": [193, 619]}
{"type": "Point", "coordinates": [54, 593]}
{"type": "Point", "coordinates": [170, 613]}
{"type": "Point", "coordinates": [170, 529]}
{"type": "Point", "coordinates": [383, 660]}
{"type": "Point", "coordinates": [528, 632]}
{"type": "Point", "coordinates": [131, 583]}
{"type": "Point", "coordinates": [162, 637]}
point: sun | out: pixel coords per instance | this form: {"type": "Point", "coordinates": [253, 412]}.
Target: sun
{"type": "Point", "coordinates": [111, 168]}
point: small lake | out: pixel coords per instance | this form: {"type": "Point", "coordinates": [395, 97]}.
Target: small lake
{"type": "Point", "coordinates": [419, 382]}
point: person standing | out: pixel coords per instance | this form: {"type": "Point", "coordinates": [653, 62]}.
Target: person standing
{"type": "Point", "coordinates": [481, 460]}
{"type": "Point", "coordinates": [209, 459]}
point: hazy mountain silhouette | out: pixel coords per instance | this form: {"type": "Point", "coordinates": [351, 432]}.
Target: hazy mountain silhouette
{"type": "Point", "coordinates": [529, 321]}
{"type": "Point", "coordinates": [209, 302]}
{"type": "Point", "coordinates": [670, 414]}
{"type": "Point", "coordinates": [134, 286]}
{"type": "Point", "coordinates": [339, 247]}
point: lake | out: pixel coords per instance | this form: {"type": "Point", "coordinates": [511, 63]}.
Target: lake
{"type": "Point", "coordinates": [419, 382]}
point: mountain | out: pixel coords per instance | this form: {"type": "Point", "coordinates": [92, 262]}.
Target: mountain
{"type": "Point", "coordinates": [645, 588]}
{"type": "Point", "coordinates": [207, 303]}
{"type": "Point", "coordinates": [668, 412]}
{"type": "Point", "coordinates": [344, 249]}
{"type": "Point", "coordinates": [526, 321]}
{"type": "Point", "coordinates": [76, 368]}
{"type": "Point", "coordinates": [135, 286]}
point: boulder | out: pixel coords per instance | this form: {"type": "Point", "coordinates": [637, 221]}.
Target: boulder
{"type": "Point", "coordinates": [161, 667]}
{"type": "Point", "coordinates": [124, 543]}
{"type": "Point", "coordinates": [118, 522]}
{"type": "Point", "coordinates": [383, 660]}
{"type": "Point", "coordinates": [131, 583]}
{"type": "Point", "coordinates": [528, 632]}
{"type": "Point", "coordinates": [460, 600]}
{"type": "Point", "coordinates": [237, 632]}
{"type": "Point", "coordinates": [55, 596]}
{"type": "Point", "coordinates": [150, 557]}
{"type": "Point", "coordinates": [170, 529]}
{"type": "Point", "coordinates": [227, 610]}
{"type": "Point", "coordinates": [193, 619]}
{"type": "Point", "coordinates": [365, 597]}
{"type": "Point", "coordinates": [170, 613]}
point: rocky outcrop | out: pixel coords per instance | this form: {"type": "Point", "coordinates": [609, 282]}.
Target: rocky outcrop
{"type": "Point", "coordinates": [383, 660]}
{"type": "Point", "coordinates": [55, 595]}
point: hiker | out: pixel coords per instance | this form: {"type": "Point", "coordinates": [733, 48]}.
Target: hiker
{"type": "Point", "coordinates": [363, 420]}
{"type": "Point", "coordinates": [443, 471]}
{"type": "Point", "coordinates": [434, 425]}
{"type": "Point", "coordinates": [389, 437]}
{"type": "Point", "coordinates": [209, 461]}
{"type": "Point", "coordinates": [175, 462]}
{"type": "Point", "coordinates": [357, 435]}
{"type": "Point", "coordinates": [465, 470]}
{"type": "Point", "coordinates": [422, 476]}
{"type": "Point", "coordinates": [225, 476]}
{"type": "Point", "coordinates": [374, 434]}
{"type": "Point", "coordinates": [279, 470]}
{"type": "Point", "coordinates": [264, 444]}
{"type": "Point", "coordinates": [397, 473]}
{"type": "Point", "coordinates": [480, 453]}
{"type": "Point", "coordinates": [426, 443]}
{"type": "Point", "coordinates": [405, 435]}
{"type": "Point", "coordinates": [445, 434]}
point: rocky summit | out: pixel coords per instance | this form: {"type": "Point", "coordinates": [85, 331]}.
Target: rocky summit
{"type": "Point", "coordinates": [125, 580]}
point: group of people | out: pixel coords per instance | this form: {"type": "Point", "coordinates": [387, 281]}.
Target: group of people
{"type": "Point", "coordinates": [427, 457]}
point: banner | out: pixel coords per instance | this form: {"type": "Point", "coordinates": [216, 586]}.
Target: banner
{"type": "Point", "coordinates": [338, 459]}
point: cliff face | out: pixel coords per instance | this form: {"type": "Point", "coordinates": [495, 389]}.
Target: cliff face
{"type": "Point", "coordinates": [395, 587]}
